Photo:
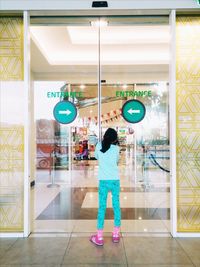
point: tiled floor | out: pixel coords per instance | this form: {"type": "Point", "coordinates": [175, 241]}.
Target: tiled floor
{"type": "Point", "coordinates": [72, 250]}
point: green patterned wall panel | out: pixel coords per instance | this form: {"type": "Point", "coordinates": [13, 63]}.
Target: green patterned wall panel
{"type": "Point", "coordinates": [188, 123]}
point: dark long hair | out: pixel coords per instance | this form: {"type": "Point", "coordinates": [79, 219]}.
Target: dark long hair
{"type": "Point", "coordinates": [110, 137]}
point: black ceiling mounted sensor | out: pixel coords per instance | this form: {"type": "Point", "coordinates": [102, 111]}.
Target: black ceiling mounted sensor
{"type": "Point", "coordinates": [99, 4]}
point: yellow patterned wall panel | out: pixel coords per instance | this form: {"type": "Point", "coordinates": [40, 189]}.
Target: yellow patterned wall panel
{"type": "Point", "coordinates": [188, 123]}
{"type": "Point", "coordinates": [11, 178]}
{"type": "Point", "coordinates": [11, 48]}
{"type": "Point", "coordinates": [11, 128]}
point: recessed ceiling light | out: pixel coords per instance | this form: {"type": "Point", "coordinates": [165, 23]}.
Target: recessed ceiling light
{"type": "Point", "coordinates": [125, 86]}
{"type": "Point", "coordinates": [99, 23]}
{"type": "Point", "coordinates": [82, 86]}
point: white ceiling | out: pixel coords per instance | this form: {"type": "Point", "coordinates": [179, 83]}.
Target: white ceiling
{"type": "Point", "coordinates": [128, 53]}
{"type": "Point", "coordinates": [116, 35]}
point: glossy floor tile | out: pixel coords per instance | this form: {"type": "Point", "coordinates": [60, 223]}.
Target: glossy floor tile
{"type": "Point", "coordinates": [192, 247]}
{"type": "Point", "coordinates": [154, 251]}
{"type": "Point", "coordinates": [69, 205]}
{"type": "Point", "coordinates": [89, 226]}
{"type": "Point", "coordinates": [94, 265]}
{"type": "Point", "coordinates": [31, 265]}
{"type": "Point", "coordinates": [76, 250]}
{"type": "Point", "coordinates": [46, 226]}
{"type": "Point", "coordinates": [159, 265]}
{"type": "Point", "coordinates": [43, 196]}
{"type": "Point", "coordinates": [36, 251]}
{"type": "Point", "coordinates": [6, 245]}
{"type": "Point", "coordinates": [131, 200]}
{"type": "Point", "coordinates": [81, 251]}
{"type": "Point", "coordinates": [143, 226]}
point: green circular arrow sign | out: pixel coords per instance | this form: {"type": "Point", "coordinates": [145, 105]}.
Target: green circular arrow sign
{"type": "Point", "coordinates": [65, 112]}
{"type": "Point", "coordinates": [133, 111]}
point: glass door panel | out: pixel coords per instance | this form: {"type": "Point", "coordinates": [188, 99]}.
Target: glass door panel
{"type": "Point", "coordinates": [134, 59]}
{"type": "Point", "coordinates": [64, 62]}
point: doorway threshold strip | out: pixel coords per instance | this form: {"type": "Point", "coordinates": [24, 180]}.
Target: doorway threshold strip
{"type": "Point", "coordinates": [50, 235]}
{"type": "Point", "coordinates": [149, 234]}
{"type": "Point", "coordinates": [106, 234]}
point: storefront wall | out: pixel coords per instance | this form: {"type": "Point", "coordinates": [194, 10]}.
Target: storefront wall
{"type": "Point", "coordinates": [187, 126]}
{"type": "Point", "coordinates": [188, 122]}
{"type": "Point", "coordinates": [12, 124]}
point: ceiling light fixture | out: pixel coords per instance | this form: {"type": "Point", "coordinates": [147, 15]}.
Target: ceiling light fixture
{"type": "Point", "coordinates": [99, 23]}
{"type": "Point", "coordinates": [82, 86]}
{"type": "Point", "coordinates": [125, 86]}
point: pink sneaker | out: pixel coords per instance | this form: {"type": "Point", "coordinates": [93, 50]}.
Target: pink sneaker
{"type": "Point", "coordinates": [115, 237]}
{"type": "Point", "coordinates": [97, 240]}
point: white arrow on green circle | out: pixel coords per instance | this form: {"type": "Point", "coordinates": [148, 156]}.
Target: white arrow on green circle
{"type": "Point", "coordinates": [67, 112]}
{"type": "Point", "coordinates": [132, 111]}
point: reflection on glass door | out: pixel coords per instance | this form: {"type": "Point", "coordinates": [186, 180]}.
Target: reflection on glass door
{"type": "Point", "coordinates": [52, 144]}
{"type": "Point", "coordinates": [111, 106]}
{"type": "Point", "coordinates": [85, 137]}
{"type": "Point", "coordinates": [153, 137]}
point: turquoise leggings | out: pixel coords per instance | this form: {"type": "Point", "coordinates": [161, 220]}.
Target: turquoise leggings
{"type": "Point", "coordinates": [104, 187]}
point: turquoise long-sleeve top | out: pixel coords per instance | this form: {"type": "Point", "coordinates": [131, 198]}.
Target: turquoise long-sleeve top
{"type": "Point", "coordinates": [108, 169]}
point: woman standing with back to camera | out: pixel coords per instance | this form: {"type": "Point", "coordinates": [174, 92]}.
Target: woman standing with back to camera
{"type": "Point", "coordinates": [107, 154]}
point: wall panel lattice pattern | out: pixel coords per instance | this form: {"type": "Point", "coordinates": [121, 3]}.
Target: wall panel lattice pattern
{"type": "Point", "coordinates": [11, 178]}
{"type": "Point", "coordinates": [188, 123]}
{"type": "Point", "coordinates": [11, 133]}
{"type": "Point", "coordinates": [11, 49]}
